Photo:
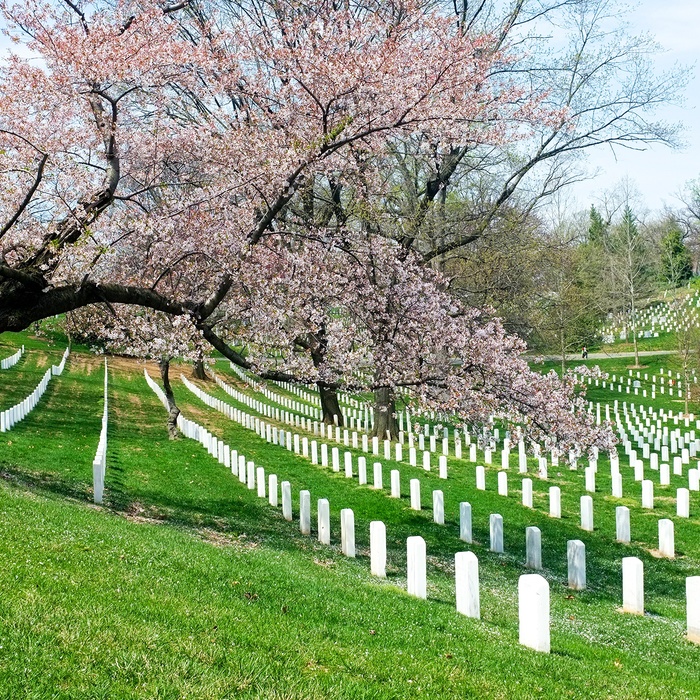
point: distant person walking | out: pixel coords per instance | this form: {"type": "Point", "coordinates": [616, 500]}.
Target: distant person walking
{"type": "Point", "coordinates": [584, 353]}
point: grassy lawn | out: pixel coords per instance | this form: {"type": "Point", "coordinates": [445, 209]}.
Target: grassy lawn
{"type": "Point", "coordinates": [185, 584]}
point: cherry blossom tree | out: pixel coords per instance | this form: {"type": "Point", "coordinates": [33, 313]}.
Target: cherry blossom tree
{"type": "Point", "coordinates": [142, 333]}
{"type": "Point", "coordinates": [408, 339]}
{"type": "Point", "coordinates": [142, 129]}
{"type": "Point", "coordinates": [156, 156]}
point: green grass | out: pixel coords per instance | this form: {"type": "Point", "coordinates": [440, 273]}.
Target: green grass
{"type": "Point", "coordinates": [620, 367]}
{"type": "Point", "coordinates": [185, 584]}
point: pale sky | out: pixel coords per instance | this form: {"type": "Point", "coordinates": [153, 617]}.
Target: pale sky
{"type": "Point", "coordinates": [659, 173]}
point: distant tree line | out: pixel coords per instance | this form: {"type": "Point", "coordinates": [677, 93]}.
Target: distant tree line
{"type": "Point", "coordinates": [555, 275]}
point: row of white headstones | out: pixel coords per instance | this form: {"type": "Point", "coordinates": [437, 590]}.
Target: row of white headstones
{"type": "Point", "coordinates": [11, 416]}
{"type": "Point", "coordinates": [534, 590]}
{"type": "Point", "coordinates": [634, 388]}
{"type": "Point", "coordinates": [358, 415]}
{"type": "Point", "coordinates": [683, 496]}
{"type": "Point", "coordinates": [622, 514]}
{"type": "Point", "coordinates": [329, 431]}
{"type": "Point", "coordinates": [12, 360]}
{"type": "Point", "coordinates": [666, 317]}
{"type": "Point", "coordinates": [99, 463]}
{"type": "Point", "coordinates": [666, 526]}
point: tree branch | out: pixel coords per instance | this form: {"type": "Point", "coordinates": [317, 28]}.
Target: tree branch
{"type": "Point", "coordinates": [28, 198]}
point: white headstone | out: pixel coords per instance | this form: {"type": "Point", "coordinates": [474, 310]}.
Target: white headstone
{"type": "Point", "coordinates": [587, 513]}
{"type": "Point", "coordinates": [465, 522]}
{"type": "Point", "coordinates": [678, 466]}
{"type": "Point", "coordinates": [502, 484]}
{"type": "Point", "coordinates": [692, 602]}
{"type": "Point", "coordinates": [622, 524]}
{"type": "Point", "coordinates": [415, 494]}
{"type": "Point", "coordinates": [272, 490]}
{"type": "Point", "coordinates": [438, 507]}
{"type": "Point", "coordinates": [347, 532]}
{"type": "Point", "coordinates": [305, 512]}
{"type": "Point", "coordinates": [555, 502]}
{"type": "Point", "coordinates": [286, 500]}
{"type": "Point", "coordinates": [260, 479]}
{"type": "Point", "coordinates": [395, 483]}
{"type": "Point", "coordinates": [335, 459]}
{"type": "Point", "coordinates": [666, 538]}
{"type": "Point", "coordinates": [527, 493]}
{"type": "Point", "coordinates": [251, 475]}
{"type": "Point", "coordinates": [533, 548]}
{"type": "Point", "coordinates": [324, 521]}
{"type": "Point", "coordinates": [590, 479]}
{"type": "Point", "coordinates": [533, 612]}
{"type": "Point", "coordinates": [377, 548]}
{"type": "Point", "coordinates": [647, 494]}
{"type": "Point", "coordinates": [576, 561]}
{"type": "Point", "coordinates": [496, 532]}
{"type": "Point", "coordinates": [416, 567]}
{"type": "Point", "coordinates": [481, 478]}
{"type": "Point", "coordinates": [617, 485]}
{"type": "Point", "coordinates": [522, 461]}
{"type": "Point", "coordinates": [378, 477]}
{"type": "Point", "coordinates": [467, 584]}
{"type": "Point", "coordinates": [505, 459]}
{"type": "Point", "coordinates": [361, 471]}
{"type": "Point", "coordinates": [632, 585]}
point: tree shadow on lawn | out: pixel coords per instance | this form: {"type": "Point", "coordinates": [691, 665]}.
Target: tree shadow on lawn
{"type": "Point", "coordinates": [235, 516]}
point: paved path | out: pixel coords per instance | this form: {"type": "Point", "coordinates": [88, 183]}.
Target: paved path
{"type": "Point", "coordinates": [608, 355]}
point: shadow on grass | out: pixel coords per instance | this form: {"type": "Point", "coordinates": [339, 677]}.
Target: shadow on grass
{"type": "Point", "coordinates": [255, 522]}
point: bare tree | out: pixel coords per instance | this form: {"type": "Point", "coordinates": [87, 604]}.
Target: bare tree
{"type": "Point", "coordinates": [599, 76]}
{"type": "Point", "coordinates": [688, 346]}
{"type": "Point", "coordinates": [630, 275]}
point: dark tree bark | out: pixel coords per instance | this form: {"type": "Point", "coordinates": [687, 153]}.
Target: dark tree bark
{"type": "Point", "coordinates": [330, 406]}
{"type": "Point", "coordinates": [385, 424]}
{"type": "Point", "coordinates": [198, 370]}
{"type": "Point", "coordinates": [173, 410]}
{"type": "Point", "coordinates": [317, 345]}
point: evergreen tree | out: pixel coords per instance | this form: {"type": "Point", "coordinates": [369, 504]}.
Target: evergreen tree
{"type": "Point", "coordinates": [597, 227]}
{"type": "Point", "coordinates": [676, 261]}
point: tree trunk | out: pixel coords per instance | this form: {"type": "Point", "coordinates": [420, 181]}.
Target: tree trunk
{"type": "Point", "coordinates": [173, 410]}
{"type": "Point", "coordinates": [198, 370]}
{"type": "Point", "coordinates": [562, 349]}
{"type": "Point", "coordinates": [330, 406]}
{"type": "Point", "coordinates": [385, 425]}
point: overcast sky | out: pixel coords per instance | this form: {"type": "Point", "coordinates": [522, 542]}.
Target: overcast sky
{"type": "Point", "coordinates": [659, 173]}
